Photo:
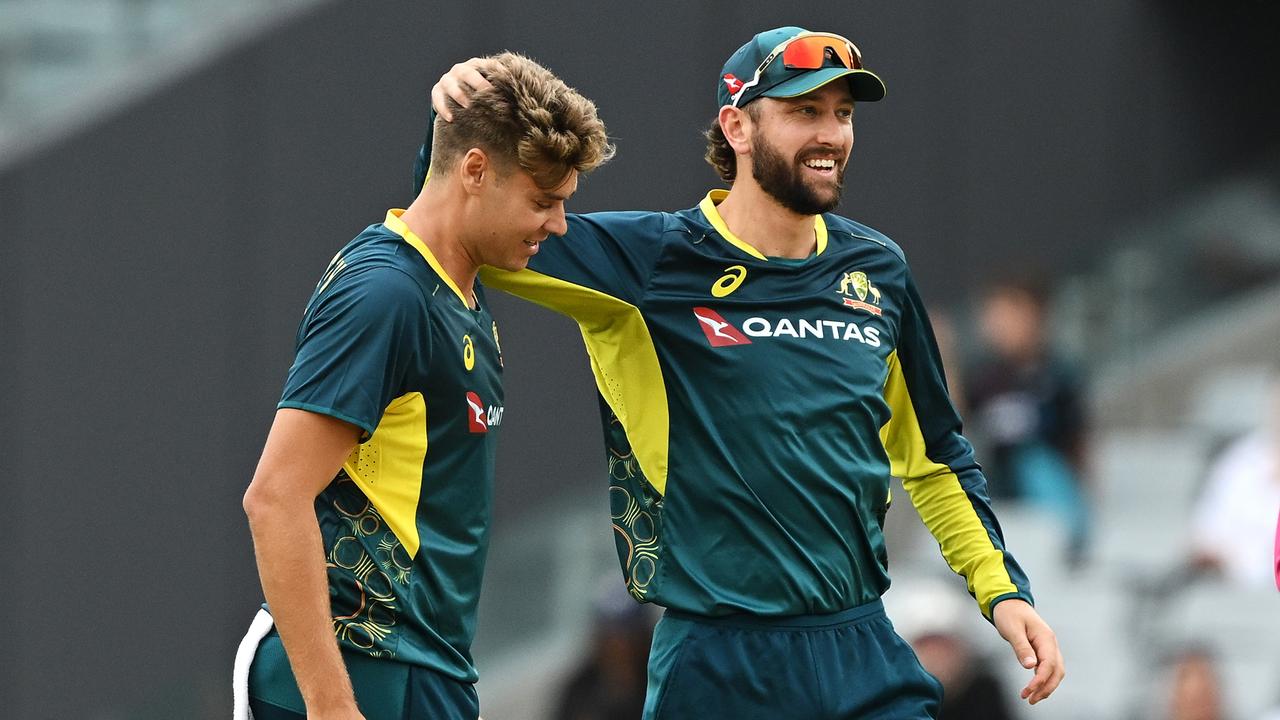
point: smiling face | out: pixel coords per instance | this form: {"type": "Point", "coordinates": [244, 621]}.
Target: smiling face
{"type": "Point", "coordinates": [514, 215]}
{"type": "Point", "coordinates": [800, 147]}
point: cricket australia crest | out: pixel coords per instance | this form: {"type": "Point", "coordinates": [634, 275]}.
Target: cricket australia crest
{"type": "Point", "coordinates": [855, 283]}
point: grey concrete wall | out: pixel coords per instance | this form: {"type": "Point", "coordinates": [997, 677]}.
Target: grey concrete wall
{"type": "Point", "coordinates": [153, 267]}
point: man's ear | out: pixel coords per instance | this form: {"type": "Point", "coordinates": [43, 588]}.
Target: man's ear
{"type": "Point", "coordinates": [474, 169]}
{"type": "Point", "coordinates": [735, 123]}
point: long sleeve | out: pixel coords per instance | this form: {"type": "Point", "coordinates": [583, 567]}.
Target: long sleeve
{"type": "Point", "coordinates": [937, 467]}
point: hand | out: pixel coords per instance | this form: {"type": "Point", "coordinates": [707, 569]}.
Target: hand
{"type": "Point", "coordinates": [462, 80]}
{"type": "Point", "coordinates": [1034, 644]}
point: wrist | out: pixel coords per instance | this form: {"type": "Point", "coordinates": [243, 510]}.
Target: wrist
{"type": "Point", "coordinates": [336, 701]}
{"type": "Point", "coordinates": [1008, 598]}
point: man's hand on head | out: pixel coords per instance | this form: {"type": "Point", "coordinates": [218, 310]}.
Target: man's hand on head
{"type": "Point", "coordinates": [462, 80]}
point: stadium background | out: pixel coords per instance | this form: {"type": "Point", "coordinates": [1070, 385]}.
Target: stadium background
{"type": "Point", "coordinates": [174, 177]}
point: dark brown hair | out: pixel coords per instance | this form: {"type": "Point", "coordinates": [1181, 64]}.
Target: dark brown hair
{"type": "Point", "coordinates": [719, 153]}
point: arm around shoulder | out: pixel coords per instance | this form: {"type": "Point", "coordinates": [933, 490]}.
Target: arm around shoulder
{"type": "Point", "coordinates": [603, 263]}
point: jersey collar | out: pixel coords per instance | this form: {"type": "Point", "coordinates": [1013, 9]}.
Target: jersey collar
{"type": "Point", "coordinates": [398, 226]}
{"type": "Point", "coordinates": [714, 198]}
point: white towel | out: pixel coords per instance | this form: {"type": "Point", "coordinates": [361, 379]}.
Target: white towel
{"type": "Point", "coordinates": [258, 629]}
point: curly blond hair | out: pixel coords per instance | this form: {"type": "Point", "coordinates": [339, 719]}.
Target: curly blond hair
{"type": "Point", "coordinates": [530, 118]}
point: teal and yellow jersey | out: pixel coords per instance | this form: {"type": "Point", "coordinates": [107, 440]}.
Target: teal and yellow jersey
{"type": "Point", "coordinates": [388, 344]}
{"type": "Point", "coordinates": [755, 409]}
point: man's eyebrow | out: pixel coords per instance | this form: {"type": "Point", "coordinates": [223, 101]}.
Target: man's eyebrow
{"type": "Point", "coordinates": [548, 195]}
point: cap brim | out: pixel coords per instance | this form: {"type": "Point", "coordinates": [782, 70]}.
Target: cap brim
{"type": "Point", "coordinates": [865, 85]}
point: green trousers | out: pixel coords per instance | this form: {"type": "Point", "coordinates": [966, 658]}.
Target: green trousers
{"type": "Point", "coordinates": [385, 690]}
{"type": "Point", "coordinates": [849, 665]}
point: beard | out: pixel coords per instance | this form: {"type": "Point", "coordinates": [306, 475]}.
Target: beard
{"type": "Point", "coordinates": [783, 182]}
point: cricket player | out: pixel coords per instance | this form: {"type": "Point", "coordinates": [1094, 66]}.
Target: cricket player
{"type": "Point", "coordinates": [764, 367]}
{"type": "Point", "coordinates": [370, 507]}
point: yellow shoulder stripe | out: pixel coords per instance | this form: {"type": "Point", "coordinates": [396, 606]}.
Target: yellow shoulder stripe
{"type": "Point", "coordinates": [623, 359]}
{"type": "Point", "coordinates": [936, 493]}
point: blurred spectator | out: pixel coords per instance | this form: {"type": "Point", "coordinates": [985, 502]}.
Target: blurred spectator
{"type": "Point", "coordinates": [1027, 405]}
{"type": "Point", "coordinates": [610, 682]}
{"type": "Point", "coordinates": [1234, 520]}
{"type": "Point", "coordinates": [1195, 691]}
{"type": "Point", "coordinates": [946, 335]}
{"type": "Point", "coordinates": [931, 615]}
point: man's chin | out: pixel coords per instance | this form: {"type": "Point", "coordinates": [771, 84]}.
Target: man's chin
{"type": "Point", "coordinates": [828, 191]}
{"type": "Point", "coordinates": [805, 196]}
{"type": "Point", "coordinates": [827, 199]}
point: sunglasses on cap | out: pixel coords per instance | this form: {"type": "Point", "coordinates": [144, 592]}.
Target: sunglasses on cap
{"type": "Point", "coordinates": [806, 51]}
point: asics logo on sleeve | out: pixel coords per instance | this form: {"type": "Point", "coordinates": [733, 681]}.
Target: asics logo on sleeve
{"type": "Point", "coordinates": [335, 266]}
{"type": "Point", "coordinates": [730, 281]}
{"type": "Point", "coordinates": [718, 330]}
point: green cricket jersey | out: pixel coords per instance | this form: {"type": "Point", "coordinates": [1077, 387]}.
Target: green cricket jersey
{"type": "Point", "coordinates": [389, 344]}
{"type": "Point", "coordinates": [755, 409]}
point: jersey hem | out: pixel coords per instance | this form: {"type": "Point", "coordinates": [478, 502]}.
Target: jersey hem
{"type": "Point", "coordinates": [278, 706]}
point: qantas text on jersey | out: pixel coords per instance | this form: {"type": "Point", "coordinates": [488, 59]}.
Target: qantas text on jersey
{"type": "Point", "coordinates": [821, 329]}
{"type": "Point", "coordinates": [715, 327]}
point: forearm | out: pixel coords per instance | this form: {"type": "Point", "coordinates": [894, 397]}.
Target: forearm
{"type": "Point", "coordinates": [963, 524]}
{"type": "Point", "coordinates": [291, 566]}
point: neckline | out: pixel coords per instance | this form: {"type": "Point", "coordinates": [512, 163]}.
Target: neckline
{"type": "Point", "coordinates": [712, 213]}
{"type": "Point", "coordinates": [398, 226]}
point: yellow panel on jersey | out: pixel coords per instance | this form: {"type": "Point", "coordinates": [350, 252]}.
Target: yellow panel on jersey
{"type": "Point", "coordinates": [712, 213]}
{"type": "Point", "coordinates": [623, 359]}
{"type": "Point", "coordinates": [388, 468]}
{"type": "Point", "coordinates": [939, 498]}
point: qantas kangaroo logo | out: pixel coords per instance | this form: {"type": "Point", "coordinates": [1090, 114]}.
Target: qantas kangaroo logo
{"type": "Point", "coordinates": [476, 420]}
{"type": "Point", "coordinates": [718, 330]}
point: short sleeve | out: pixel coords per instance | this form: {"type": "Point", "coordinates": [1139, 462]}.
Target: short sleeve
{"type": "Point", "coordinates": [361, 338]}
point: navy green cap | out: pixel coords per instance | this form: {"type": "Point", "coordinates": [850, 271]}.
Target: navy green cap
{"type": "Point", "coordinates": [779, 81]}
